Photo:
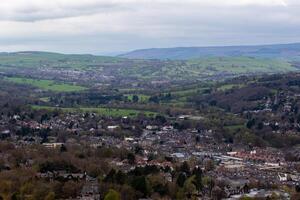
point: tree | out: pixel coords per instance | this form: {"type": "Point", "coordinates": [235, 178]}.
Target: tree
{"type": "Point", "coordinates": [26, 189]}
{"type": "Point", "coordinates": [44, 117]}
{"type": "Point", "coordinates": [63, 148]}
{"type": "Point", "coordinates": [40, 191]}
{"type": "Point", "coordinates": [197, 172]}
{"type": "Point", "coordinates": [131, 158]}
{"type": "Point", "coordinates": [158, 185]}
{"type": "Point", "coordinates": [297, 188]}
{"type": "Point", "coordinates": [138, 150]}
{"type": "Point", "coordinates": [15, 196]}
{"type": "Point", "coordinates": [250, 123]}
{"type": "Point", "coordinates": [112, 195]}
{"type": "Point", "coordinates": [209, 164]}
{"type": "Point", "coordinates": [181, 179]}
{"type": "Point", "coordinates": [141, 184]}
{"type": "Point", "coordinates": [209, 183]}
{"type": "Point", "coordinates": [70, 189]}
{"type": "Point", "coordinates": [180, 194]}
{"type": "Point", "coordinates": [154, 99]}
{"type": "Point", "coordinates": [161, 119]}
{"type": "Point", "coordinates": [189, 187]}
{"type": "Point", "coordinates": [120, 177]}
{"type": "Point", "coordinates": [260, 126]}
{"type": "Point", "coordinates": [218, 193]}
{"type": "Point", "coordinates": [110, 177]}
{"type": "Point", "coordinates": [185, 168]}
{"type": "Point", "coordinates": [135, 98]}
{"type": "Point", "coordinates": [50, 196]}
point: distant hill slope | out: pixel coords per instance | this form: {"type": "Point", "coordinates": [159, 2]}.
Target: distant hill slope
{"type": "Point", "coordinates": [34, 59]}
{"type": "Point", "coordinates": [88, 68]}
{"type": "Point", "coordinates": [289, 51]}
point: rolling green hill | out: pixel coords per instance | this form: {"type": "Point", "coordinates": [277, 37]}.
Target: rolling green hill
{"type": "Point", "coordinates": [34, 59]}
{"type": "Point", "coordinates": [40, 65]}
{"type": "Point", "coordinates": [287, 51]}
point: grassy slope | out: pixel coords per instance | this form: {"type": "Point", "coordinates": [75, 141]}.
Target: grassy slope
{"type": "Point", "coordinates": [47, 84]}
{"type": "Point", "coordinates": [230, 86]}
{"type": "Point", "coordinates": [44, 59]}
{"type": "Point", "coordinates": [239, 65]}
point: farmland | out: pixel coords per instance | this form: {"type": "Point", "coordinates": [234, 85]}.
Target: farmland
{"type": "Point", "coordinates": [238, 65]}
{"type": "Point", "coordinates": [89, 69]}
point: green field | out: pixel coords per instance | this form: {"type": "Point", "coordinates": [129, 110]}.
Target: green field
{"type": "Point", "coordinates": [113, 112]}
{"type": "Point", "coordinates": [53, 60]}
{"type": "Point", "coordinates": [188, 92]}
{"type": "Point", "coordinates": [205, 67]}
{"type": "Point", "coordinates": [239, 65]}
{"type": "Point", "coordinates": [47, 84]}
{"type": "Point", "coordinates": [45, 99]}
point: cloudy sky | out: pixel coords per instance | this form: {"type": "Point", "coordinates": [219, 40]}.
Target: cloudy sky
{"type": "Point", "coordinates": [104, 26]}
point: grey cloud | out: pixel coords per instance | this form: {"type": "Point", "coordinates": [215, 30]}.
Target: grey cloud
{"type": "Point", "coordinates": [32, 13]}
{"type": "Point", "coordinates": [107, 26]}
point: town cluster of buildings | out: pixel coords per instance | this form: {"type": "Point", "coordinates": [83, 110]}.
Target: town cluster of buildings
{"type": "Point", "coordinates": [159, 145]}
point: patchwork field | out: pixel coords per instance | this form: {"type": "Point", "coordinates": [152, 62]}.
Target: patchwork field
{"type": "Point", "coordinates": [199, 69]}
{"type": "Point", "coordinates": [239, 65]}
{"type": "Point", "coordinates": [113, 112]}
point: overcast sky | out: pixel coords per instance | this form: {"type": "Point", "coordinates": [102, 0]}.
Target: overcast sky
{"type": "Point", "coordinates": [103, 26]}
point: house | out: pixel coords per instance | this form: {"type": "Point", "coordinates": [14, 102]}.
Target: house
{"type": "Point", "coordinates": [61, 175]}
{"type": "Point", "coordinates": [5, 134]}
{"type": "Point", "coordinates": [90, 190]}
{"type": "Point", "coordinates": [233, 153]}
{"type": "Point", "coordinates": [53, 145]}
{"type": "Point", "coordinates": [111, 128]}
{"type": "Point", "coordinates": [261, 194]}
{"type": "Point", "coordinates": [168, 128]}
{"type": "Point", "coordinates": [152, 127]}
{"type": "Point", "coordinates": [178, 155]}
{"type": "Point", "coordinates": [237, 187]}
{"type": "Point", "coordinates": [168, 177]}
{"type": "Point", "coordinates": [184, 117]}
{"type": "Point", "coordinates": [129, 139]}
{"type": "Point", "coordinates": [283, 177]}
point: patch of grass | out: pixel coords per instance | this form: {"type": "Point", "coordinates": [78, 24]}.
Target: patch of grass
{"type": "Point", "coordinates": [112, 112]}
{"type": "Point", "coordinates": [45, 99]}
{"type": "Point", "coordinates": [188, 92]}
{"type": "Point", "coordinates": [47, 84]}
